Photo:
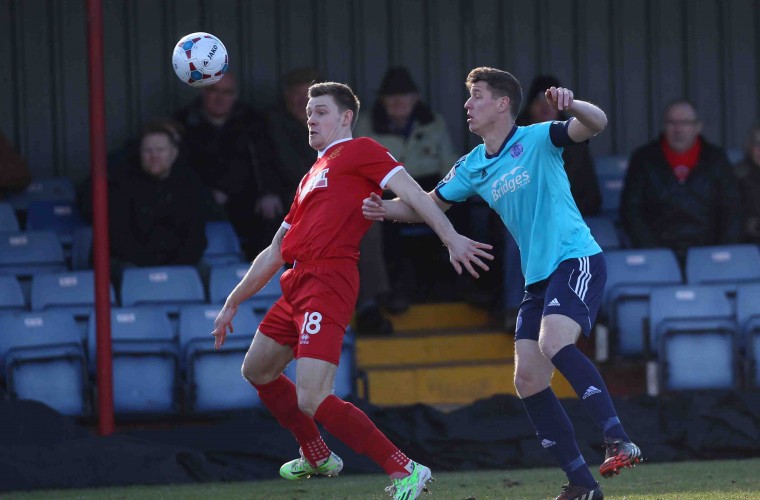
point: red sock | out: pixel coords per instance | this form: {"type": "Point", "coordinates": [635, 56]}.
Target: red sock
{"type": "Point", "coordinates": [349, 424]}
{"type": "Point", "coordinates": [279, 396]}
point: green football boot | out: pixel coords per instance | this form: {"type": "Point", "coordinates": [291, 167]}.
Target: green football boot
{"type": "Point", "coordinates": [300, 468]}
{"type": "Point", "coordinates": [411, 486]}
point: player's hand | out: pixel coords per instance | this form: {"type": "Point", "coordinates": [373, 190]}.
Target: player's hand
{"type": "Point", "coordinates": [222, 323]}
{"type": "Point", "coordinates": [560, 98]}
{"type": "Point", "coordinates": [373, 208]}
{"type": "Point", "coordinates": [464, 252]}
{"type": "Point", "coordinates": [268, 206]}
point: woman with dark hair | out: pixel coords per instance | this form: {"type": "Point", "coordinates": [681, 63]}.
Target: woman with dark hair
{"type": "Point", "coordinates": [579, 165]}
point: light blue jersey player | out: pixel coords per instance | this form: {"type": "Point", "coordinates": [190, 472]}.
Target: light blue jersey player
{"type": "Point", "coordinates": [520, 173]}
{"type": "Point", "coordinates": [525, 183]}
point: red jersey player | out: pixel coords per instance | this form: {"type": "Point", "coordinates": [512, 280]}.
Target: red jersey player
{"type": "Point", "coordinates": [320, 236]}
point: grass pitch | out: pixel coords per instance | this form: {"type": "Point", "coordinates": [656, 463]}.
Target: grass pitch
{"type": "Point", "coordinates": [727, 479]}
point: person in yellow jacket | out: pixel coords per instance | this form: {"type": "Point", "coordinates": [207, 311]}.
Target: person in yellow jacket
{"type": "Point", "coordinates": [419, 138]}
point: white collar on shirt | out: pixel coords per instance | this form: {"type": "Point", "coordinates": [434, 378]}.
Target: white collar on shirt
{"type": "Point", "coordinates": [319, 155]}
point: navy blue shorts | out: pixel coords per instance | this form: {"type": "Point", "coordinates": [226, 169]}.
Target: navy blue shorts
{"type": "Point", "coordinates": [574, 290]}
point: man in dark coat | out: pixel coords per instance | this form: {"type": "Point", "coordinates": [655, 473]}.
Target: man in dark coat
{"type": "Point", "coordinates": [680, 190]}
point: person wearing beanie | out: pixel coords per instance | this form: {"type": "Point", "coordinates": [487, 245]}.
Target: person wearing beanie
{"type": "Point", "coordinates": [418, 138]}
{"type": "Point", "coordinates": [579, 164]}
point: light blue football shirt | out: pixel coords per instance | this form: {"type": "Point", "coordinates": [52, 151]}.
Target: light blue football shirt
{"type": "Point", "coordinates": [526, 184]}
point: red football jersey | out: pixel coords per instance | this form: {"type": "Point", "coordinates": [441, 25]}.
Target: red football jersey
{"type": "Point", "coordinates": [325, 220]}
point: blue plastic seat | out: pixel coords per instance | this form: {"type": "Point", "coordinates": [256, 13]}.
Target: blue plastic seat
{"type": "Point", "coordinates": [735, 155]}
{"type": "Point", "coordinates": [42, 358]}
{"type": "Point", "coordinates": [223, 246]}
{"type": "Point", "coordinates": [8, 220]}
{"type": "Point", "coordinates": [631, 277]}
{"type": "Point", "coordinates": [11, 296]}
{"type": "Point", "coordinates": [610, 171]}
{"type": "Point", "coordinates": [224, 278]}
{"type": "Point", "coordinates": [71, 291]}
{"type": "Point", "coordinates": [168, 287]}
{"type": "Point", "coordinates": [213, 378]}
{"type": "Point", "coordinates": [81, 247]}
{"type": "Point", "coordinates": [748, 320]}
{"type": "Point", "coordinates": [694, 329]}
{"type": "Point", "coordinates": [723, 265]}
{"type": "Point", "coordinates": [46, 188]}
{"type": "Point", "coordinates": [604, 232]}
{"type": "Point", "coordinates": [60, 216]}
{"type": "Point", "coordinates": [24, 253]}
{"type": "Point", "coordinates": [144, 360]}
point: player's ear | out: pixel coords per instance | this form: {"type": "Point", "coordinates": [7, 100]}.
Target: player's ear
{"type": "Point", "coordinates": [504, 103]}
{"type": "Point", "coordinates": [348, 116]}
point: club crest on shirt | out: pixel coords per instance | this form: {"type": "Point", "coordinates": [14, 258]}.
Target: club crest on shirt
{"type": "Point", "coordinates": [516, 150]}
{"type": "Point", "coordinates": [335, 153]}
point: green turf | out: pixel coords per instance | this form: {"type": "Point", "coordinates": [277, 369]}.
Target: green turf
{"type": "Point", "coordinates": [728, 479]}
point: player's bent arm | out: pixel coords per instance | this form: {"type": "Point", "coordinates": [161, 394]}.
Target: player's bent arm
{"type": "Point", "coordinates": [415, 205]}
{"type": "Point", "coordinates": [589, 121]}
{"type": "Point", "coordinates": [264, 266]}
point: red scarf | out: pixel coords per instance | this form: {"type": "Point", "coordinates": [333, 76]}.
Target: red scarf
{"type": "Point", "coordinates": [682, 163]}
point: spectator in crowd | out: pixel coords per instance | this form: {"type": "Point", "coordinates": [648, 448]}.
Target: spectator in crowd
{"type": "Point", "coordinates": [418, 138]}
{"type": "Point", "coordinates": [230, 150]}
{"type": "Point", "coordinates": [579, 165]}
{"type": "Point", "coordinates": [287, 126]}
{"type": "Point", "coordinates": [680, 191]}
{"type": "Point", "coordinates": [155, 217]}
{"type": "Point", "coordinates": [14, 172]}
{"type": "Point", "coordinates": [748, 173]}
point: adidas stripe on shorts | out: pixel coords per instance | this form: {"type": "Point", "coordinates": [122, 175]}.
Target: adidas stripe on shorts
{"type": "Point", "coordinates": [574, 289]}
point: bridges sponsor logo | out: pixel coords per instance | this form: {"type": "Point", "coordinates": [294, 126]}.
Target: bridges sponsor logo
{"type": "Point", "coordinates": [515, 179]}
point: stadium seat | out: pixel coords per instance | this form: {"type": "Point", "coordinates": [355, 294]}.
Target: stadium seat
{"type": "Point", "coordinates": [71, 291]}
{"type": "Point", "coordinates": [23, 254]}
{"type": "Point", "coordinates": [11, 296]}
{"type": "Point", "coordinates": [748, 320]}
{"type": "Point", "coordinates": [47, 188]}
{"type": "Point", "coordinates": [8, 220]}
{"type": "Point", "coordinates": [223, 246]}
{"type": "Point", "coordinates": [42, 358]}
{"type": "Point", "coordinates": [631, 276]}
{"type": "Point", "coordinates": [213, 380]}
{"type": "Point", "coordinates": [725, 266]}
{"type": "Point", "coordinates": [145, 360]}
{"type": "Point", "coordinates": [694, 329]}
{"type": "Point", "coordinates": [610, 171]}
{"type": "Point", "coordinates": [81, 247]}
{"type": "Point", "coordinates": [59, 216]}
{"type": "Point", "coordinates": [735, 155]}
{"type": "Point", "coordinates": [604, 232]}
{"type": "Point", "coordinates": [224, 278]}
{"type": "Point", "coordinates": [168, 287]}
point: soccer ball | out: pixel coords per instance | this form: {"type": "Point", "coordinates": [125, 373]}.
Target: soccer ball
{"type": "Point", "coordinates": [200, 59]}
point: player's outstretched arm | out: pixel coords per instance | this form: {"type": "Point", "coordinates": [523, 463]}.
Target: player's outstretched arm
{"type": "Point", "coordinates": [589, 119]}
{"type": "Point", "coordinates": [264, 266]}
{"type": "Point", "coordinates": [463, 252]}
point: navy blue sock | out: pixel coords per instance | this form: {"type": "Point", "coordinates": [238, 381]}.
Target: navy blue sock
{"type": "Point", "coordinates": [556, 434]}
{"type": "Point", "coordinates": [589, 386]}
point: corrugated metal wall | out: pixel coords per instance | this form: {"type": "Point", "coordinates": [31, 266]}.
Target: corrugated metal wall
{"type": "Point", "coordinates": [629, 56]}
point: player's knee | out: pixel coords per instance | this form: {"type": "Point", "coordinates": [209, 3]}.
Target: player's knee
{"type": "Point", "coordinates": [253, 374]}
{"type": "Point", "coordinates": [529, 382]}
{"type": "Point", "coordinates": [309, 400]}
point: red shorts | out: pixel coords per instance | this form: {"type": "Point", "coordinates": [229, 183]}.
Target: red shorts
{"type": "Point", "coordinates": [317, 303]}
